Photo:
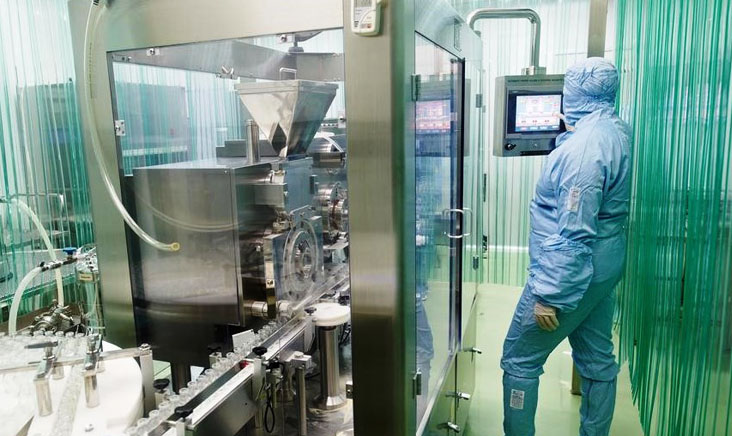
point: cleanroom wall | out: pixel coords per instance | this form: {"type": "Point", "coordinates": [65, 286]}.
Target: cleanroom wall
{"type": "Point", "coordinates": [41, 155]}
{"type": "Point", "coordinates": [675, 60]}
{"type": "Point", "coordinates": [511, 181]}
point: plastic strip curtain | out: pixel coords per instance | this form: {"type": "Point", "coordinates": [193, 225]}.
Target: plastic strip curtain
{"type": "Point", "coordinates": [173, 115]}
{"type": "Point", "coordinates": [676, 330]}
{"type": "Point", "coordinates": [40, 144]}
{"type": "Point", "coordinates": [511, 181]}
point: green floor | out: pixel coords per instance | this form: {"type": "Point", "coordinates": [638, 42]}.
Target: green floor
{"type": "Point", "coordinates": [558, 413]}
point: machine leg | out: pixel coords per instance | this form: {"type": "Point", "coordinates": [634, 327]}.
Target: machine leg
{"type": "Point", "coordinates": [331, 394]}
{"type": "Point", "coordinates": [302, 405]}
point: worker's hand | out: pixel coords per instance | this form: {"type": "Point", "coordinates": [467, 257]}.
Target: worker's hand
{"type": "Point", "coordinates": [546, 317]}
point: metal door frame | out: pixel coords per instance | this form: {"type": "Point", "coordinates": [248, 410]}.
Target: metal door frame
{"type": "Point", "coordinates": [381, 182]}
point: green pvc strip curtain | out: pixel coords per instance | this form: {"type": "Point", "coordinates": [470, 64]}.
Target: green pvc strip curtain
{"type": "Point", "coordinates": [41, 152]}
{"type": "Point", "coordinates": [676, 331]}
{"type": "Point", "coordinates": [511, 181]}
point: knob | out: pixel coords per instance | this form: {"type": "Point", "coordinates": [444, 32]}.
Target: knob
{"type": "Point", "coordinates": [69, 250]}
{"type": "Point", "coordinates": [161, 384]}
{"type": "Point", "coordinates": [260, 351]}
{"type": "Point", "coordinates": [510, 146]}
{"type": "Point", "coordinates": [184, 411]}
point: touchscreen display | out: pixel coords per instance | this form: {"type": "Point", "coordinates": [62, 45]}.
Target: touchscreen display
{"type": "Point", "coordinates": [536, 113]}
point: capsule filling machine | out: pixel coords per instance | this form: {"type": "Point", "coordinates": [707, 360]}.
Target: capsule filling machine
{"type": "Point", "coordinates": [252, 227]}
{"type": "Point", "coordinates": [263, 237]}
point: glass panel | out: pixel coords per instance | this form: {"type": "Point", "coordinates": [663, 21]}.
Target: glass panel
{"type": "Point", "coordinates": [437, 168]}
{"type": "Point", "coordinates": [42, 162]}
{"type": "Point", "coordinates": [254, 231]}
{"type": "Point", "coordinates": [511, 181]}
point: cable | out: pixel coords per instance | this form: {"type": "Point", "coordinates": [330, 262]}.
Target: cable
{"type": "Point", "coordinates": [269, 411]}
{"type": "Point", "coordinates": [88, 54]}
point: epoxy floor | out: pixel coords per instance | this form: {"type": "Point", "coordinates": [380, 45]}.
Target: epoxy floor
{"type": "Point", "coordinates": [558, 413]}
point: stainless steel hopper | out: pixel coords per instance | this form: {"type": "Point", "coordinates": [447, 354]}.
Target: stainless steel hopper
{"type": "Point", "coordinates": [289, 112]}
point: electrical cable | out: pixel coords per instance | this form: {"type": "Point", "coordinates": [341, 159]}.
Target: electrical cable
{"type": "Point", "coordinates": [269, 411]}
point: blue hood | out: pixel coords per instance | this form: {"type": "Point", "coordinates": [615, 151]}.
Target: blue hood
{"type": "Point", "coordinates": [589, 85]}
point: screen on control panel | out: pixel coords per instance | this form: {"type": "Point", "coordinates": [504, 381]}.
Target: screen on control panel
{"type": "Point", "coordinates": [537, 113]}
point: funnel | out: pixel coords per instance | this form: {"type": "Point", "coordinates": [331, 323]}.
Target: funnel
{"type": "Point", "coordinates": [289, 112]}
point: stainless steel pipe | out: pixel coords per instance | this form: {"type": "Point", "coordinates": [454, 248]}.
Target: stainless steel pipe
{"type": "Point", "coordinates": [252, 132]}
{"type": "Point", "coordinates": [302, 402]}
{"type": "Point", "coordinates": [332, 395]}
{"type": "Point", "coordinates": [529, 14]}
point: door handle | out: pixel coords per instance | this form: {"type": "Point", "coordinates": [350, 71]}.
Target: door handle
{"type": "Point", "coordinates": [446, 213]}
{"type": "Point", "coordinates": [469, 211]}
{"type": "Point", "coordinates": [459, 395]}
{"type": "Point", "coordinates": [450, 426]}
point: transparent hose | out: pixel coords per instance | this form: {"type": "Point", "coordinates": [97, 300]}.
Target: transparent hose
{"type": "Point", "coordinates": [15, 305]}
{"type": "Point", "coordinates": [23, 207]}
{"type": "Point", "coordinates": [88, 53]}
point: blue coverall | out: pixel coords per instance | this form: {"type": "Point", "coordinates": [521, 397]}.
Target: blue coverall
{"type": "Point", "coordinates": [577, 254]}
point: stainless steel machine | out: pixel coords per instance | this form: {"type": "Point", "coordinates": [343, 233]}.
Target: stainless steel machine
{"type": "Point", "coordinates": [296, 161]}
{"type": "Point", "coordinates": [252, 234]}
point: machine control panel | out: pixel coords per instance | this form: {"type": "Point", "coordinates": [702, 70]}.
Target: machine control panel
{"type": "Point", "coordinates": [527, 109]}
{"type": "Point", "coordinates": [366, 17]}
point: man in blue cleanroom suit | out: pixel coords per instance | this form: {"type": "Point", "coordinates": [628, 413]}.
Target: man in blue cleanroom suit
{"type": "Point", "coordinates": [577, 254]}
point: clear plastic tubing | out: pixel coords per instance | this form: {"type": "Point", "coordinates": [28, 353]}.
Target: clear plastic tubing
{"type": "Point", "coordinates": [91, 27]}
{"type": "Point", "coordinates": [15, 305]}
{"type": "Point", "coordinates": [23, 207]}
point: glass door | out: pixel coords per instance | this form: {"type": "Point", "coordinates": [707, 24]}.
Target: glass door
{"type": "Point", "coordinates": [439, 214]}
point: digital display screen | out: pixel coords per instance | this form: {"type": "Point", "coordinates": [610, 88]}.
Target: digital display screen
{"type": "Point", "coordinates": [433, 116]}
{"type": "Point", "coordinates": [360, 8]}
{"type": "Point", "coordinates": [536, 113]}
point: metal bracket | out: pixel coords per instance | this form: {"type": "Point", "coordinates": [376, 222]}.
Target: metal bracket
{"type": "Point", "coordinates": [349, 390]}
{"type": "Point", "coordinates": [417, 383]}
{"type": "Point", "coordinates": [416, 87]}
{"type": "Point", "coordinates": [479, 101]}
{"type": "Point", "coordinates": [119, 128]}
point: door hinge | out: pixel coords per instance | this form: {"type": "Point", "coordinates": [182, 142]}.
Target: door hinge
{"type": "Point", "coordinates": [416, 87]}
{"type": "Point", "coordinates": [119, 128]}
{"type": "Point", "coordinates": [479, 101]}
{"type": "Point", "coordinates": [417, 383]}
